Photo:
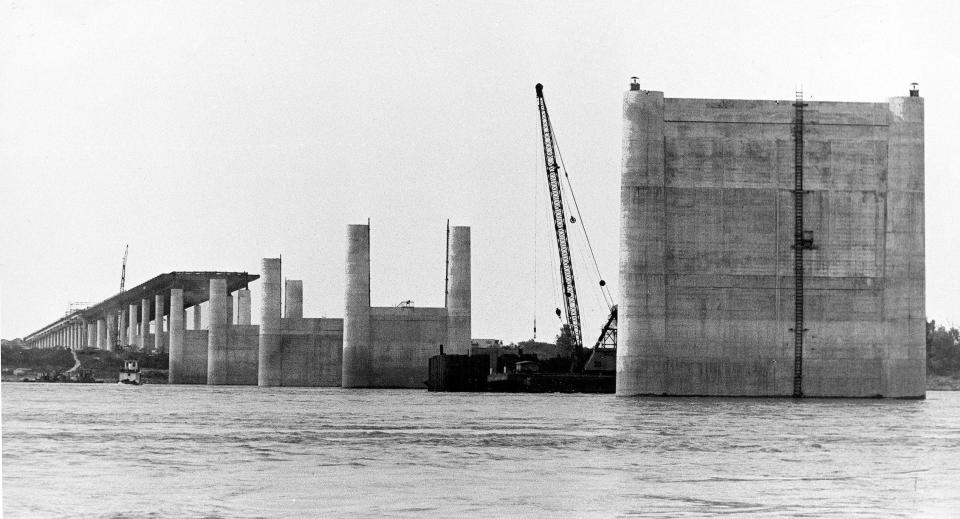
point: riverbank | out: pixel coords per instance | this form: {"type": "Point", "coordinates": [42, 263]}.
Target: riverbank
{"type": "Point", "coordinates": [24, 363]}
{"type": "Point", "coordinates": [943, 382]}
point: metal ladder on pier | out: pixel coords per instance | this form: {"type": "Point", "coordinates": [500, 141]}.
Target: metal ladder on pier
{"type": "Point", "coordinates": [801, 240]}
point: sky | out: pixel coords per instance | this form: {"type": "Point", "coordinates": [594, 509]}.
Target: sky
{"type": "Point", "coordinates": [209, 135]}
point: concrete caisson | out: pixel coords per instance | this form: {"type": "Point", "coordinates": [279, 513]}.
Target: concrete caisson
{"type": "Point", "coordinates": [706, 258]}
{"type": "Point", "coordinates": [218, 330]}
{"type": "Point", "coordinates": [458, 292]}
{"type": "Point", "coordinates": [243, 306]}
{"type": "Point", "coordinates": [158, 334]}
{"type": "Point", "coordinates": [270, 367]}
{"type": "Point", "coordinates": [144, 337]}
{"type": "Point", "coordinates": [101, 334]}
{"type": "Point", "coordinates": [293, 299]}
{"type": "Point", "coordinates": [391, 346]}
{"type": "Point", "coordinates": [356, 318]}
{"type": "Point", "coordinates": [131, 328]}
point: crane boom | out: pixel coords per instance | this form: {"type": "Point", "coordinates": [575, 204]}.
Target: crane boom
{"type": "Point", "coordinates": [560, 226]}
{"type": "Point", "coordinates": [123, 269]}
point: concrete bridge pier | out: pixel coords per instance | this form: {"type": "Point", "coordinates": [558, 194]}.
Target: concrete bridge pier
{"type": "Point", "coordinates": [177, 323]}
{"type": "Point", "coordinates": [243, 306]}
{"type": "Point", "coordinates": [144, 323]}
{"type": "Point", "coordinates": [217, 343]}
{"type": "Point", "coordinates": [458, 291]}
{"type": "Point", "coordinates": [110, 337]}
{"type": "Point", "coordinates": [293, 299]}
{"type": "Point", "coordinates": [132, 326]}
{"type": "Point", "coordinates": [356, 317]}
{"type": "Point", "coordinates": [91, 334]}
{"type": "Point", "coordinates": [158, 338]}
{"type": "Point", "coordinates": [270, 354]}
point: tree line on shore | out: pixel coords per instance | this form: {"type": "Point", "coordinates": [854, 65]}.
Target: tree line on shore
{"type": "Point", "coordinates": [943, 350]}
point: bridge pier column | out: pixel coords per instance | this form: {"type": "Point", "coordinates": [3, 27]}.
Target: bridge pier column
{"type": "Point", "coordinates": [177, 325]}
{"type": "Point", "coordinates": [197, 316]}
{"type": "Point", "coordinates": [158, 341]}
{"type": "Point", "coordinates": [132, 326]}
{"type": "Point", "coordinates": [110, 339]}
{"type": "Point", "coordinates": [243, 306]}
{"type": "Point", "coordinates": [144, 323]}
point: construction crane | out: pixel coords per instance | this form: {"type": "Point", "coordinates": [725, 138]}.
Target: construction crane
{"type": "Point", "coordinates": [117, 341]}
{"type": "Point", "coordinates": [560, 226]}
{"type": "Point", "coordinates": [123, 269]}
{"type": "Point", "coordinates": [608, 336]}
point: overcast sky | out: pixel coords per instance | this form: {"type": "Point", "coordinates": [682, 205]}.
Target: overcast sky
{"type": "Point", "coordinates": [207, 135]}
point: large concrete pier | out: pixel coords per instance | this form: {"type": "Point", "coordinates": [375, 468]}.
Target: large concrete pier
{"type": "Point", "coordinates": [391, 346]}
{"type": "Point", "coordinates": [707, 261]}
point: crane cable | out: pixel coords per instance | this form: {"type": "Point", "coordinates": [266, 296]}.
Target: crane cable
{"type": "Point", "coordinates": [604, 289]}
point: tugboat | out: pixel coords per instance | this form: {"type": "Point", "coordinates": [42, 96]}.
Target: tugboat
{"type": "Point", "coordinates": [130, 373]}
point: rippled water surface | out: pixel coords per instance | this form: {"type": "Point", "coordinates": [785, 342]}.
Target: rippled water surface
{"type": "Point", "coordinates": [188, 451]}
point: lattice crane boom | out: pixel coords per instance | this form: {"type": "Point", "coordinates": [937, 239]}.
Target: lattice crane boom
{"type": "Point", "coordinates": [560, 226]}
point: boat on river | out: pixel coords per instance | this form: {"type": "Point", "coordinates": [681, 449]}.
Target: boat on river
{"type": "Point", "coordinates": [130, 373]}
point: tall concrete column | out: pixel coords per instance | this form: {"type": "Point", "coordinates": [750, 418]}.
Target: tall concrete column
{"type": "Point", "coordinates": [101, 334]}
{"type": "Point", "coordinates": [217, 336]}
{"type": "Point", "coordinates": [132, 326]}
{"type": "Point", "coordinates": [229, 308]}
{"type": "Point", "coordinates": [641, 334]}
{"type": "Point", "coordinates": [177, 324]}
{"type": "Point", "coordinates": [110, 335]}
{"type": "Point", "coordinates": [356, 318]}
{"type": "Point", "coordinates": [158, 338]}
{"type": "Point", "coordinates": [144, 323]}
{"type": "Point", "coordinates": [91, 334]}
{"type": "Point", "coordinates": [293, 299]}
{"type": "Point", "coordinates": [243, 306]}
{"type": "Point", "coordinates": [122, 331]}
{"type": "Point", "coordinates": [458, 291]}
{"type": "Point", "coordinates": [269, 369]}
{"type": "Point", "coordinates": [197, 317]}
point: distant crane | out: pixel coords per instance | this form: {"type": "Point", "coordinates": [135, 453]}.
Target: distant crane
{"type": "Point", "coordinates": [572, 326]}
{"type": "Point", "coordinates": [123, 279]}
{"type": "Point", "coordinates": [123, 269]}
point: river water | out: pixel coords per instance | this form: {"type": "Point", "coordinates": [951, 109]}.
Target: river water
{"type": "Point", "coordinates": [102, 450]}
